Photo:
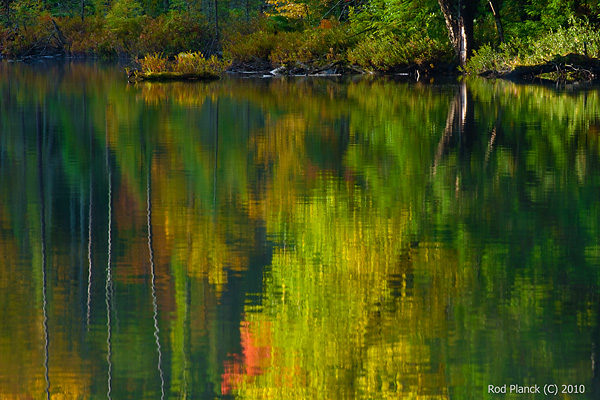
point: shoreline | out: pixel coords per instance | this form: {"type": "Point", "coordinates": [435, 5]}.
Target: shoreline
{"type": "Point", "coordinates": [570, 69]}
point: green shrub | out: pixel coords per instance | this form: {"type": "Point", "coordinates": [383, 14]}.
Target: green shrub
{"type": "Point", "coordinates": [389, 51]}
{"type": "Point", "coordinates": [26, 14]}
{"type": "Point", "coordinates": [173, 33]}
{"type": "Point", "coordinates": [267, 40]}
{"type": "Point", "coordinates": [250, 48]}
{"type": "Point", "coordinates": [579, 38]}
{"type": "Point", "coordinates": [83, 37]}
{"type": "Point", "coordinates": [500, 60]}
{"type": "Point", "coordinates": [318, 46]}
{"type": "Point", "coordinates": [124, 22]}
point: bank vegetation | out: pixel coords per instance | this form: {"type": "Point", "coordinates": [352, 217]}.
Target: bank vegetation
{"type": "Point", "coordinates": [318, 36]}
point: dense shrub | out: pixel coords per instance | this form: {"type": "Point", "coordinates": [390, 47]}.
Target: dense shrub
{"type": "Point", "coordinates": [579, 38]}
{"type": "Point", "coordinates": [34, 38]}
{"type": "Point", "coordinates": [249, 43]}
{"type": "Point", "coordinates": [26, 13]}
{"type": "Point", "coordinates": [500, 60]}
{"type": "Point", "coordinates": [389, 51]}
{"type": "Point", "coordinates": [123, 32]}
{"type": "Point", "coordinates": [85, 37]}
{"type": "Point", "coordinates": [174, 33]}
{"type": "Point", "coordinates": [317, 46]}
{"type": "Point", "coordinates": [124, 22]}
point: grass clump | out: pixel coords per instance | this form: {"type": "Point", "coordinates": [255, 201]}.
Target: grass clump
{"type": "Point", "coordinates": [154, 63]}
{"type": "Point", "coordinates": [189, 65]}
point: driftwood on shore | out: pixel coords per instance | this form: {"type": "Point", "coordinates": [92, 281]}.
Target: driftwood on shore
{"type": "Point", "coordinates": [331, 69]}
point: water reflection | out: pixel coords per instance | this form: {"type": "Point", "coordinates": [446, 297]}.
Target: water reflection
{"type": "Point", "coordinates": [294, 238]}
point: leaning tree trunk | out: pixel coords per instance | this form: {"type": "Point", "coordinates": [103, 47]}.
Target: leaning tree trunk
{"type": "Point", "coordinates": [496, 12]}
{"type": "Point", "coordinates": [459, 21]}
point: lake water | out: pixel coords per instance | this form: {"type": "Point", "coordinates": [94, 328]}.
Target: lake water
{"type": "Point", "coordinates": [301, 238]}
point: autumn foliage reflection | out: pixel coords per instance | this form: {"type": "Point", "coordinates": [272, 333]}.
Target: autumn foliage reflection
{"type": "Point", "coordinates": [294, 238]}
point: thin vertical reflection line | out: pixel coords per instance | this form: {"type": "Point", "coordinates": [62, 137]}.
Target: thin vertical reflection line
{"type": "Point", "coordinates": [43, 240]}
{"type": "Point", "coordinates": [186, 322]}
{"type": "Point", "coordinates": [216, 156]}
{"type": "Point", "coordinates": [90, 205]}
{"type": "Point", "coordinates": [89, 254]}
{"type": "Point", "coordinates": [82, 222]}
{"type": "Point", "coordinates": [81, 240]}
{"type": "Point", "coordinates": [186, 329]}
{"type": "Point", "coordinates": [108, 294]}
{"type": "Point", "coordinates": [153, 280]}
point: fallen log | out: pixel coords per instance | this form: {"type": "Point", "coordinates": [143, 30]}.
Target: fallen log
{"type": "Point", "coordinates": [572, 67]}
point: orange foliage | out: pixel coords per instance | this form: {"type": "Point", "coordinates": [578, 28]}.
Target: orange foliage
{"type": "Point", "coordinates": [254, 359]}
{"type": "Point", "coordinates": [326, 24]}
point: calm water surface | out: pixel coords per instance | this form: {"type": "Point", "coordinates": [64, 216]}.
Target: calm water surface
{"type": "Point", "coordinates": [295, 239]}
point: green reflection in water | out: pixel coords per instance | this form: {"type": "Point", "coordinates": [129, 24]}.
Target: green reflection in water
{"type": "Point", "coordinates": [299, 238]}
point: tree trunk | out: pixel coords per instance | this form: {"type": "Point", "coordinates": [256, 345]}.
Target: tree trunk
{"type": "Point", "coordinates": [7, 9]}
{"type": "Point", "coordinates": [459, 21]}
{"type": "Point", "coordinates": [216, 22]}
{"type": "Point", "coordinates": [496, 12]}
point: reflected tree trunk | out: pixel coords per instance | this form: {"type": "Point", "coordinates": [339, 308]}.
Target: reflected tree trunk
{"type": "Point", "coordinates": [216, 157]}
{"type": "Point", "coordinates": [90, 231]}
{"type": "Point", "coordinates": [493, 136]}
{"type": "Point", "coordinates": [444, 142]}
{"type": "Point", "coordinates": [109, 283]}
{"type": "Point", "coordinates": [187, 333]}
{"type": "Point", "coordinates": [595, 356]}
{"type": "Point", "coordinates": [42, 201]}
{"type": "Point", "coordinates": [467, 119]}
{"type": "Point", "coordinates": [82, 240]}
{"type": "Point", "coordinates": [459, 123]}
{"type": "Point", "coordinates": [153, 277]}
